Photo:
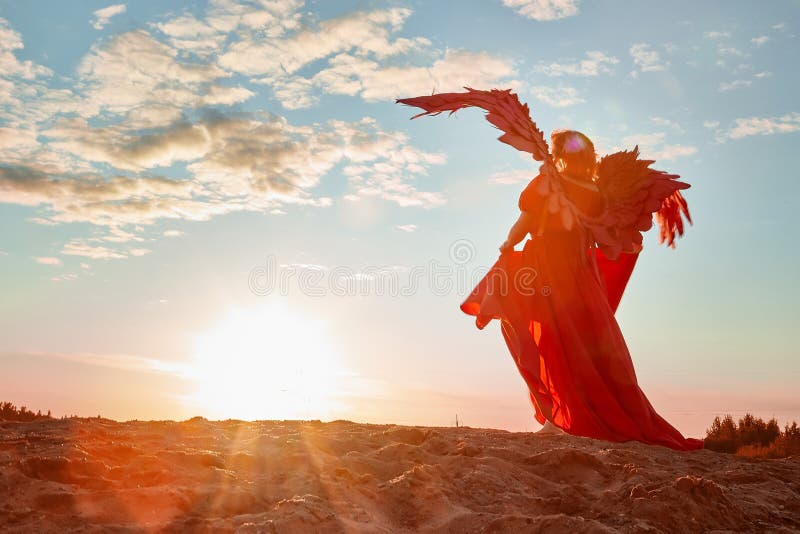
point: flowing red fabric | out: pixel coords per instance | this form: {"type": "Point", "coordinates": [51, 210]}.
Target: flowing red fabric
{"type": "Point", "coordinates": [556, 300]}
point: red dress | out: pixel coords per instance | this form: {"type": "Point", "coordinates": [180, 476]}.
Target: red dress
{"type": "Point", "coordinates": [556, 301]}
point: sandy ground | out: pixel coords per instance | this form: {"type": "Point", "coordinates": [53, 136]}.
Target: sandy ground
{"type": "Point", "coordinates": [288, 476]}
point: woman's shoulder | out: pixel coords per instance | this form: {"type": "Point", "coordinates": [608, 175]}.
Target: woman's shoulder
{"type": "Point", "coordinates": [533, 195]}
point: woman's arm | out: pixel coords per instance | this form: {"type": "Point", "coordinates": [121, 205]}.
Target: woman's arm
{"type": "Point", "coordinates": [524, 225]}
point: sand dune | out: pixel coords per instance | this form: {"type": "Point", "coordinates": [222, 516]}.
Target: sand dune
{"type": "Point", "coordinates": [289, 476]}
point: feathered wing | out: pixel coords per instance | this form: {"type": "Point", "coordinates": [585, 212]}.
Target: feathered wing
{"type": "Point", "coordinates": [670, 217]}
{"type": "Point", "coordinates": [504, 111]}
{"type": "Point", "coordinates": [633, 193]}
{"type": "Point", "coordinates": [508, 114]}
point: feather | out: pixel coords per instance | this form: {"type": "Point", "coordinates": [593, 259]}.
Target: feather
{"type": "Point", "coordinates": [503, 110]}
{"type": "Point", "coordinates": [634, 192]}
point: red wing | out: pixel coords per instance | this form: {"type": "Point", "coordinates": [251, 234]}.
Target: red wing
{"type": "Point", "coordinates": [670, 217]}
{"type": "Point", "coordinates": [504, 111]}
{"type": "Point", "coordinates": [634, 192]}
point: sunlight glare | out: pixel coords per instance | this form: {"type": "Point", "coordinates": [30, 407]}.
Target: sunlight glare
{"type": "Point", "coordinates": [264, 363]}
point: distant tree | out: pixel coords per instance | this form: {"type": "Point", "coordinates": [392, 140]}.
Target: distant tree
{"type": "Point", "coordinates": [754, 431]}
{"type": "Point", "coordinates": [753, 437]}
{"type": "Point", "coordinates": [792, 431]}
{"type": "Point", "coordinates": [773, 430]}
{"type": "Point", "coordinates": [10, 412]}
{"type": "Point", "coordinates": [7, 410]}
{"type": "Point", "coordinates": [721, 437]}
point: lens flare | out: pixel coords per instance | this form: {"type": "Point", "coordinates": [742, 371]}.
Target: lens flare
{"type": "Point", "coordinates": [264, 363]}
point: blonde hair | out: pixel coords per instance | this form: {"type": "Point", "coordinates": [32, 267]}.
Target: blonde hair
{"type": "Point", "coordinates": [576, 152]}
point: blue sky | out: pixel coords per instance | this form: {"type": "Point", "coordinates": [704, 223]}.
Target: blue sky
{"type": "Point", "coordinates": [154, 155]}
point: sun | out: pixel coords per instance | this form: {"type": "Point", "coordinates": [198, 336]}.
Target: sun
{"type": "Point", "coordinates": [264, 363]}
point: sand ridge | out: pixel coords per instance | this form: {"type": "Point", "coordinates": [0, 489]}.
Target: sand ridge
{"type": "Point", "coordinates": [306, 476]}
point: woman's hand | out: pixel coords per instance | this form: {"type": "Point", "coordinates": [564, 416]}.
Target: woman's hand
{"type": "Point", "coordinates": [517, 232]}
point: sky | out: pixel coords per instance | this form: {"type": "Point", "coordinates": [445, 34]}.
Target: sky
{"type": "Point", "coordinates": [216, 208]}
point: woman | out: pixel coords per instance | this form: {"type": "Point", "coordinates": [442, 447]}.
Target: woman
{"type": "Point", "coordinates": [557, 297]}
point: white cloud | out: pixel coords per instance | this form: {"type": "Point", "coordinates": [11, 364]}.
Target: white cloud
{"type": "Point", "coordinates": [180, 141]}
{"type": "Point", "coordinates": [294, 92]}
{"type": "Point", "coordinates": [186, 26]}
{"type": "Point", "coordinates": [151, 115]}
{"type": "Point", "coordinates": [17, 138]}
{"type": "Point", "coordinates": [352, 51]}
{"type": "Point", "coordinates": [134, 69]}
{"type": "Point", "coordinates": [596, 63]}
{"type": "Point", "coordinates": [763, 74]}
{"type": "Point", "coordinates": [235, 163]}
{"type": "Point", "coordinates": [139, 100]}
{"type": "Point", "coordinates": [364, 32]}
{"type": "Point", "coordinates": [387, 178]}
{"type": "Point", "coordinates": [558, 97]}
{"type": "Point", "coordinates": [663, 121]}
{"type": "Point", "coordinates": [90, 198]}
{"type": "Point", "coordinates": [373, 81]}
{"type": "Point", "coordinates": [7, 92]}
{"type": "Point", "coordinates": [42, 221]}
{"type": "Point", "coordinates": [750, 126]}
{"type": "Point", "coordinates": [190, 34]}
{"type": "Point", "coordinates": [407, 227]}
{"type": "Point", "coordinates": [76, 248]}
{"type": "Point", "coordinates": [271, 17]}
{"type": "Point", "coordinates": [118, 235]}
{"type": "Point", "coordinates": [670, 152]}
{"type": "Point", "coordinates": [265, 156]}
{"type": "Point", "coordinates": [20, 145]}
{"type": "Point", "coordinates": [516, 176]}
{"type": "Point", "coordinates": [758, 41]}
{"type": "Point", "coordinates": [64, 277]}
{"type": "Point", "coordinates": [10, 66]}
{"type": "Point", "coordinates": [223, 95]}
{"type": "Point", "coordinates": [730, 51]}
{"type": "Point", "coordinates": [654, 146]}
{"type": "Point", "coordinates": [735, 84]}
{"type": "Point", "coordinates": [646, 59]}
{"type": "Point", "coordinates": [544, 10]}
{"type": "Point", "coordinates": [716, 35]}
{"type": "Point", "coordinates": [116, 361]}
{"type": "Point", "coordinates": [173, 233]}
{"type": "Point", "coordinates": [102, 16]}
{"type": "Point", "coordinates": [710, 124]}
{"type": "Point", "coordinates": [48, 260]}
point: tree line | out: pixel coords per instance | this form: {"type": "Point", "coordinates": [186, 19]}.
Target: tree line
{"type": "Point", "coordinates": [753, 437]}
{"type": "Point", "coordinates": [10, 412]}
